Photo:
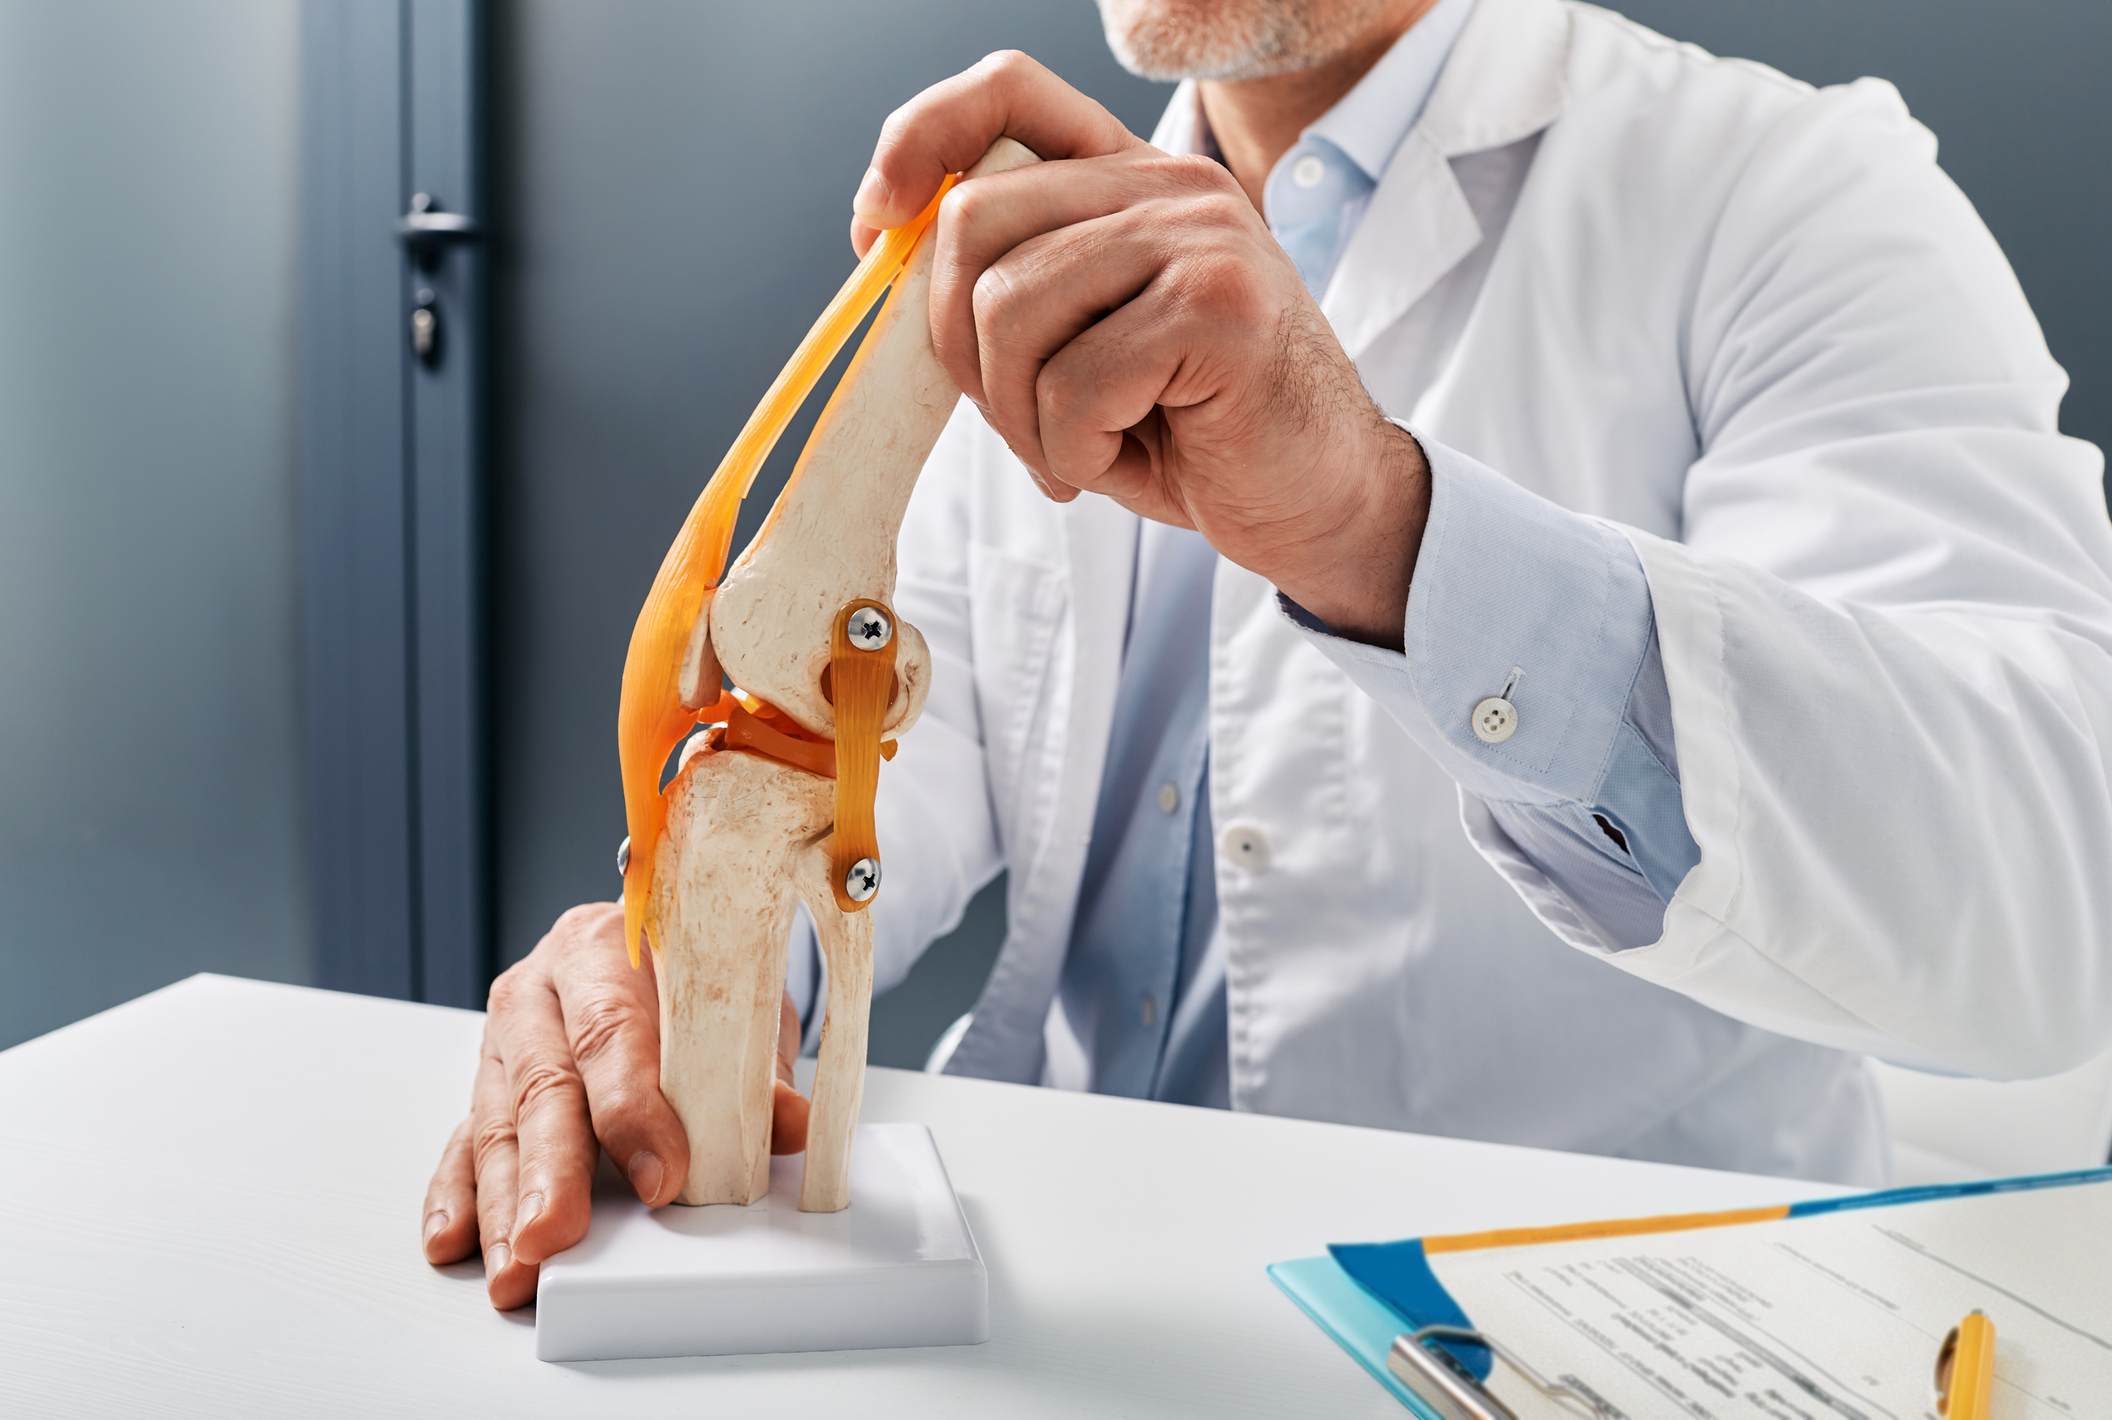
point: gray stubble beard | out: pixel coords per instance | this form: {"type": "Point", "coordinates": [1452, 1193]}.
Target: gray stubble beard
{"type": "Point", "coordinates": [1228, 40]}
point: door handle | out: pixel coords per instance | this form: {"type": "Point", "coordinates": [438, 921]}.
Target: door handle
{"type": "Point", "coordinates": [427, 232]}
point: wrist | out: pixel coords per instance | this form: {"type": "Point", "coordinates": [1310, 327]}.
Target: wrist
{"type": "Point", "coordinates": [1355, 571]}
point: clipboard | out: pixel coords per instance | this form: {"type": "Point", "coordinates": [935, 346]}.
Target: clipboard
{"type": "Point", "coordinates": [1837, 1303]}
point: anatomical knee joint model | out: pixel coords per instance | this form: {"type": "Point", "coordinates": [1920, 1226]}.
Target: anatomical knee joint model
{"type": "Point", "coordinates": [772, 802]}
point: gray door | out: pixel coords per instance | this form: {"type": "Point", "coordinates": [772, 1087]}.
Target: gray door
{"type": "Point", "coordinates": [391, 358]}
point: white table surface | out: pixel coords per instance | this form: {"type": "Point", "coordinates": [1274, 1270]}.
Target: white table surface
{"type": "Point", "coordinates": [209, 1205]}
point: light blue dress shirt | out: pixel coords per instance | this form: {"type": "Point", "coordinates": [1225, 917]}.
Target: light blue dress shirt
{"type": "Point", "coordinates": [1504, 581]}
{"type": "Point", "coordinates": [1143, 985]}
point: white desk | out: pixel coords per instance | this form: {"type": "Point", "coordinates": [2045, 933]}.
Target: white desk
{"type": "Point", "coordinates": [209, 1206]}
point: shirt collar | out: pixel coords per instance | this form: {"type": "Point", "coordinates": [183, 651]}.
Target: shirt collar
{"type": "Point", "coordinates": [1371, 119]}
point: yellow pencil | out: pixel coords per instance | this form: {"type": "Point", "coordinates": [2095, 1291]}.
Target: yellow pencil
{"type": "Point", "coordinates": [1965, 1369]}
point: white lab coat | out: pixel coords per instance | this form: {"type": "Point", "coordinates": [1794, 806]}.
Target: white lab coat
{"type": "Point", "coordinates": [1754, 326]}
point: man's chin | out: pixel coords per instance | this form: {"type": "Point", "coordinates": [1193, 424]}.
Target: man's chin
{"type": "Point", "coordinates": [1169, 40]}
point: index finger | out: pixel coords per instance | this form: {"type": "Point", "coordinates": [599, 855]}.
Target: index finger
{"type": "Point", "coordinates": [951, 124]}
{"type": "Point", "coordinates": [611, 1015]}
{"type": "Point", "coordinates": [553, 1134]}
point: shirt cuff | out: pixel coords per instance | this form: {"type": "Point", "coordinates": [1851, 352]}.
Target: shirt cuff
{"type": "Point", "coordinates": [1518, 597]}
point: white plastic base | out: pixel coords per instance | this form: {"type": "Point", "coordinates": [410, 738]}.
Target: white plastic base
{"type": "Point", "coordinates": [896, 1268]}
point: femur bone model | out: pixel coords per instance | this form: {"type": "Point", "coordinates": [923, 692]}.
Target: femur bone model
{"type": "Point", "coordinates": [772, 802]}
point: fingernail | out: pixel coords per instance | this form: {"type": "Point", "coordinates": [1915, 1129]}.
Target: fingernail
{"type": "Point", "coordinates": [434, 1222]}
{"type": "Point", "coordinates": [647, 1173]}
{"type": "Point", "coordinates": [495, 1261]}
{"type": "Point", "coordinates": [872, 194]}
{"type": "Point", "coordinates": [531, 1208]}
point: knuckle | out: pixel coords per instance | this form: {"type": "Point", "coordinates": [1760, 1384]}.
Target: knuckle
{"type": "Point", "coordinates": [1217, 288]}
{"type": "Point", "coordinates": [1003, 64]}
{"type": "Point", "coordinates": [489, 1136]}
{"type": "Point", "coordinates": [1218, 208]}
{"type": "Point", "coordinates": [543, 1082]}
{"type": "Point", "coordinates": [966, 207]}
{"type": "Point", "coordinates": [995, 299]}
{"type": "Point", "coordinates": [505, 995]}
{"type": "Point", "coordinates": [579, 924]}
{"type": "Point", "coordinates": [600, 1025]}
{"type": "Point", "coordinates": [625, 1103]}
{"type": "Point", "coordinates": [1061, 396]}
{"type": "Point", "coordinates": [892, 129]}
{"type": "Point", "coordinates": [1194, 172]}
{"type": "Point", "coordinates": [992, 288]}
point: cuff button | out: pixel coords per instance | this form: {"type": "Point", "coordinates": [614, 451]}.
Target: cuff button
{"type": "Point", "coordinates": [1494, 720]}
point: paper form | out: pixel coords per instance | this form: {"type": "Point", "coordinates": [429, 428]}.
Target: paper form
{"type": "Point", "coordinates": [1832, 1317]}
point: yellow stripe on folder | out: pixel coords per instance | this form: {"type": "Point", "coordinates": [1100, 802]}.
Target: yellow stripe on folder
{"type": "Point", "coordinates": [1613, 1228]}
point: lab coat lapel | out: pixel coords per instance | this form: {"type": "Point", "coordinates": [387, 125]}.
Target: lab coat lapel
{"type": "Point", "coordinates": [1505, 79]}
{"type": "Point", "coordinates": [1417, 228]}
{"type": "Point", "coordinates": [1005, 1039]}
{"type": "Point", "coordinates": [1502, 83]}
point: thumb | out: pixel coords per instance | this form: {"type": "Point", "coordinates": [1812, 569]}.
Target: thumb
{"type": "Point", "coordinates": [951, 124]}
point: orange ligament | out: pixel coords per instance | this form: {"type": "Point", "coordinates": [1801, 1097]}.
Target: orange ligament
{"type": "Point", "coordinates": [650, 720]}
{"type": "Point", "coordinates": [862, 683]}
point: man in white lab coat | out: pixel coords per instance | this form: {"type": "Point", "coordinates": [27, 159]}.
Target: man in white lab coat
{"type": "Point", "coordinates": [1507, 578]}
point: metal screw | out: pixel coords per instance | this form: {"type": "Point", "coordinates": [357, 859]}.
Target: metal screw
{"type": "Point", "coordinates": [869, 630]}
{"type": "Point", "coordinates": [862, 880]}
{"type": "Point", "coordinates": [623, 858]}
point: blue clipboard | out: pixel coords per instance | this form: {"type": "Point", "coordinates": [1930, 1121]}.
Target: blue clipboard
{"type": "Point", "coordinates": [1369, 1296]}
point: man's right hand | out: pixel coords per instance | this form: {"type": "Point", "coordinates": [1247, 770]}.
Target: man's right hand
{"type": "Point", "coordinates": [1127, 323]}
{"type": "Point", "coordinates": [570, 1066]}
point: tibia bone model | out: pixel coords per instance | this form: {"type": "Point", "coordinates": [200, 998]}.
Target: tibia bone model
{"type": "Point", "coordinates": [773, 801]}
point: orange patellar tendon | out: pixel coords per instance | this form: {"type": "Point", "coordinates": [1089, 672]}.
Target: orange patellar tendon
{"type": "Point", "coordinates": [861, 683]}
{"type": "Point", "coordinates": [650, 718]}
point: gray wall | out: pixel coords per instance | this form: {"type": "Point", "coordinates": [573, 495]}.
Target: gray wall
{"type": "Point", "coordinates": [2017, 98]}
{"type": "Point", "coordinates": [148, 812]}
{"type": "Point", "coordinates": [675, 179]}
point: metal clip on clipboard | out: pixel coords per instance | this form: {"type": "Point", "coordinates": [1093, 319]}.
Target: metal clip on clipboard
{"type": "Point", "coordinates": [1435, 1377]}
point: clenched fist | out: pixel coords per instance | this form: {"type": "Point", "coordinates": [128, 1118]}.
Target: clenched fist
{"type": "Point", "coordinates": [1125, 320]}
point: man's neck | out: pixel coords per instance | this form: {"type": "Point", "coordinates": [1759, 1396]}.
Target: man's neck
{"type": "Point", "coordinates": [1255, 121]}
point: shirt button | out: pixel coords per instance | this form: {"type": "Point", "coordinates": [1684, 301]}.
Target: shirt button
{"type": "Point", "coordinates": [1308, 171]}
{"type": "Point", "coordinates": [1494, 720]}
{"type": "Point", "coordinates": [1169, 796]}
{"type": "Point", "coordinates": [1244, 846]}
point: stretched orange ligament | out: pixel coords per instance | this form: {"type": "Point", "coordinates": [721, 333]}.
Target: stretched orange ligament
{"type": "Point", "coordinates": [650, 720]}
